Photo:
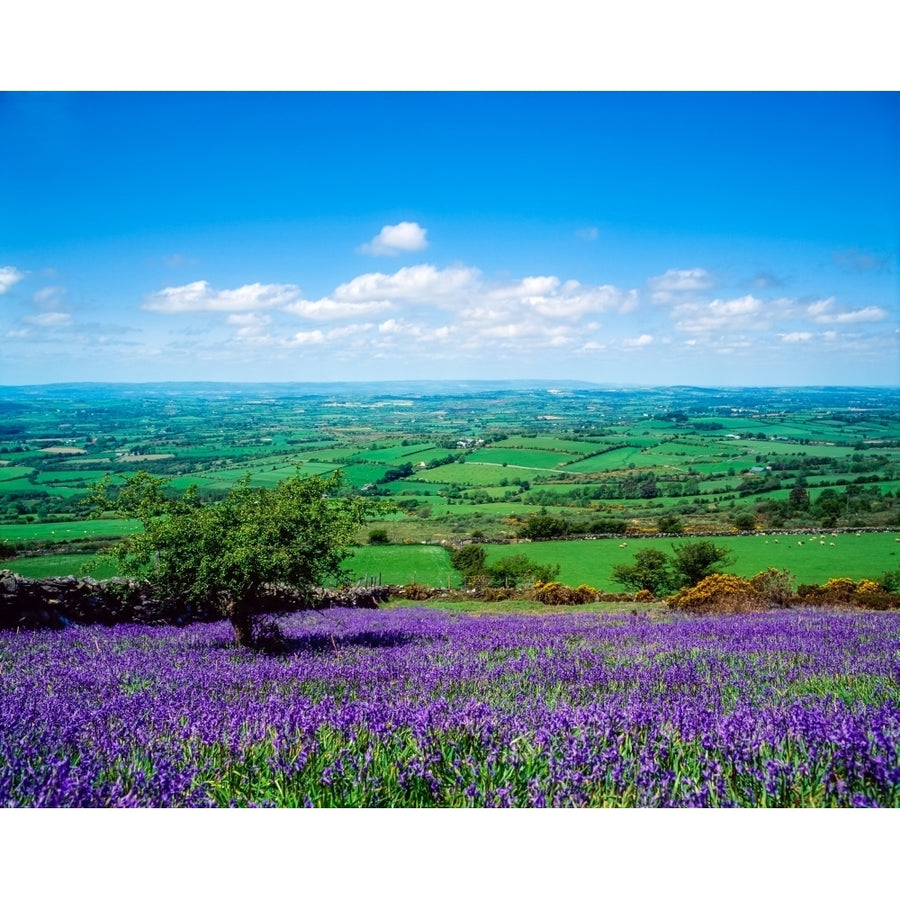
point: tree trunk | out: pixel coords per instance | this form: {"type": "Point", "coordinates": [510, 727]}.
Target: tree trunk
{"type": "Point", "coordinates": [241, 622]}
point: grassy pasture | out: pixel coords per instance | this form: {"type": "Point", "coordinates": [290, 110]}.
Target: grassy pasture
{"type": "Point", "coordinates": [64, 475]}
{"type": "Point", "coordinates": [15, 485]}
{"type": "Point", "coordinates": [400, 453]}
{"type": "Point", "coordinates": [611, 461]}
{"type": "Point", "coordinates": [411, 487]}
{"type": "Point", "coordinates": [584, 562]}
{"type": "Point", "coordinates": [527, 459]}
{"type": "Point", "coordinates": [12, 472]}
{"type": "Point", "coordinates": [52, 565]}
{"type": "Point", "coordinates": [474, 474]}
{"type": "Point", "coordinates": [557, 445]}
{"type": "Point", "coordinates": [852, 556]}
{"type": "Point", "coordinates": [57, 532]}
{"type": "Point", "coordinates": [403, 564]}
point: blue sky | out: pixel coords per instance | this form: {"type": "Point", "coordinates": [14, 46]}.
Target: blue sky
{"type": "Point", "coordinates": [675, 238]}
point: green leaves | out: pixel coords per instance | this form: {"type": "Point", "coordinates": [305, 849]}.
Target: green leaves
{"type": "Point", "coordinates": [297, 534]}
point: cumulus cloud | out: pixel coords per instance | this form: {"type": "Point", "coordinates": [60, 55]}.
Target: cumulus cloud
{"type": "Point", "coordinates": [643, 341]}
{"type": "Point", "coordinates": [413, 284]}
{"type": "Point", "coordinates": [199, 296]}
{"type": "Point", "coordinates": [796, 337]}
{"type": "Point", "coordinates": [827, 312]}
{"type": "Point", "coordinates": [328, 308]}
{"type": "Point", "coordinates": [718, 315]}
{"type": "Point", "coordinates": [405, 237]}
{"type": "Point", "coordinates": [675, 281]}
{"type": "Point", "coordinates": [575, 300]}
{"type": "Point", "coordinates": [9, 275]}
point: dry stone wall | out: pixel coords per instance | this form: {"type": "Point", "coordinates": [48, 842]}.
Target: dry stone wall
{"type": "Point", "coordinates": [27, 603]}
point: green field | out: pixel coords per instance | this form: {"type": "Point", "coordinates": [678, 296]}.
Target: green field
{"type": "Point", "coordinates": [59, 532]}
{"type": "Point", "coordinates": [403, 565]}
{"type": "Point", "coordinates": [860, 555]}
{"type": "Point", "coordinates": [632, 455]}
{"type": "Point", "coordinates": [52, 565]}
{"type": "Point", "coordinates": [806, 557]}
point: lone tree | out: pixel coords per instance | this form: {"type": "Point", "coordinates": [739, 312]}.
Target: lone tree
{"type": "Point", "coordinates": [651, 571]}
{"type": "Point", "coordinates": [296, 534]}
{"type": "Point", "coordinates": [697, 559]}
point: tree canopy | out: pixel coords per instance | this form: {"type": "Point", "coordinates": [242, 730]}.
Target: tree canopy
{"type": "Point", "coordinates": [657, 572]}
{"type": "Point", "coordinates": [296, 534]}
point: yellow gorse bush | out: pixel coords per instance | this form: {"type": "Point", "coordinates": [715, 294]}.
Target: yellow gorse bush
{"type": "Point", "coordinates": [715, 591]}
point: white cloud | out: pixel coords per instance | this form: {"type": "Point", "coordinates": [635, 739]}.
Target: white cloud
{"type": "Point", "coordinates": [575, 301]}
{"type": "Point", "coordinates": [49, 320]}
{"type": "Point", "coordinates": [405, 237]}
{"type": "Point", "coordinates": [643, 341]}
{"type": "Point", "coordinates": [587, 234]}
{"type": "Point", "coordinates": [9, 275]}
{"type": "Point", "coordinates": [796, 337]}
{"type": "Point", "coordinates": [526, 287]}
{"type": "Point", "coordinates": [198, 296]}
{"type": "Point", "coordinates": [326, 308]}
{"type": "Point", "coordinates": [826, 312]}
{"type": "Point", "coordinates": [309, 337]}
{"type": "Point", "coordinates": [681, 280]}
{"type": "Point", "coordinates": [743, 313]}
{"type": "Point", "coordinates": [414, 284]}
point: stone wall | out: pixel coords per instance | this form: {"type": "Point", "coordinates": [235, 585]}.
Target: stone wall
{"type": "Point", "coordinates": [27, 603]}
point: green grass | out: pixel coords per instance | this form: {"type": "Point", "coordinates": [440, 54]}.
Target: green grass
{"type": "Point", "coordinates": [476, 474]}
{"type": "Point", "coordinates": [400, 454]}
{"type": "Point", "coordinates": [587, 562]}
{"type": "Point", "coordinates": [57, 532]}
{"type": "Point", "coordinates": [527, 459]}
{"type": "Point", "coordinates": [402, 564]}
{"type": "Point", "coordinates": [852, 556]}
{"type": "Point", "coordinates": [52, 565]}
{"type": "Point", "coordinates": [558, 445]}
{"type": "Point", "coordinates": [10, 473]}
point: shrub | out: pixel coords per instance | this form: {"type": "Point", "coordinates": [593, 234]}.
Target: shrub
{"type": "Point", "coordinates": [697, 560]}
{"type": "Point", "coordinates": [544, 528]}
{"type": "Point", "coordinates": [669, 525]}
{"type": "Point", "coordinates": [847, 592]}
{"type": "Point", "coordinates": [378, 536]}
{"type": "Point", "coordinates": [553, 593]}
{"type": "Point", "coordinates": [890, 581]}
{"type": "Point", "coordinates": [469, 561]}
{"type": "Point", "coordinates": [651, 572]}
{"type": "Point", "coordinates": [511, 571]}
{"type": "Point", "coordinates": [718, 593]}
{"type": "Point", "coordinates": [774, 587]}
{"type": "Point", "coordinates": [416, 591]}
